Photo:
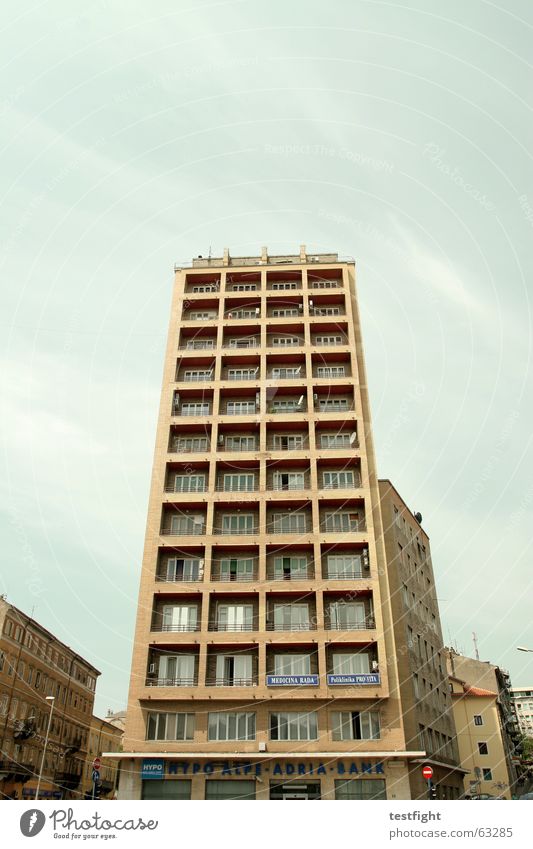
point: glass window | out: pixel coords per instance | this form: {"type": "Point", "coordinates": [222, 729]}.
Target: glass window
{"type": "Point", "coordinates": [240, 443]}
{"type": "Point", "coordinates": [238, 523]}
{"type": "Point", "coordinates": [239, 408]}
{"type": "Point", "coordinates": [242, 373]}
{"type": "Point", "coordinates": [483, 748]}
{"type": "Point", "coordinates": [327, 405]}
{"type": "Point", "coordinates": [197, 376]}
{"type": "Point", "coordinates": [180, 617]}
{"type": "Point", "coordinates": [287, 523]}
{"type": "Point", "coordinates": [170, 726]}
{"type": "Point", "coordinates": [361, 789]}
{"type": "Point", "coordinates": [234, 670]}
{"type": "Point", "coordinates": [293, 726]}
{"type": "Point", "coordinates": [478, 719]}
{"type": "Point", "coordinates": [166, 789]}
{"type": "Point", "coordinates": [285, 341]}
{"type": "Point", "coordinates": [189, 483]}
{"type": "Point", "coordinates": [239, 482]}
{"type": "Point", "coordinates": [229, 789]}
{"type": "Point", "coordinates": [182, 569]}
{"type": "Point", "coordinates": [177, 670]}
{"type": "Point", "coordinates": [235, 617]}
{"type": "Point", "coordinates": [289, 480]}
{"type": "Point", "coordinates": [243, 342]}
{"type": "Point", "coordinates": [193, 344]}
{"type": "Point", "coordinates": [286, 372]}
{"type": "Point", "coordinates": [283, 312]}
{"type": "Point", "coordinates": [288, 443]}
{"type": "Point", "coordinates": [291, 617]}
{"type": "Point", "coordinates": [355, 725]}
{"type": "Point", "coordinates": [190, 443]}
{"type": "Point", "coordinates": [487, 774]}
{"type": "Point", "coordinates": [343, 522]}
{"type": "Point", "coordinates": [187, 525]}
{"type": "Point", "coordinates": [344, 566]}
{"type": "Point", "coordinates": [350, 664]}
{"type": "Point", "coordinates": [195, 408]}
{"type": "Point", "coordinates": [336, 440]}
{"type": "Point", "coordinates": [290, 568]}
{"type": "Point", "coordinates": [331, 371]}
{"type": "Point", "coordinates": [237, 569]}
{"type": "Point", "coordinates": [231, 726]}
{"type": "Point", "coordinates": [292, 664]}
{"type": "Point", "coordinates": [338, 480]}
{"type": "Point", "coordinates": [347, 615]}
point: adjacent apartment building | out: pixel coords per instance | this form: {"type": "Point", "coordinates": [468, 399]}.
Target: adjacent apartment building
{"type": "Point", "coordinates": [422, 673]}
{"type": "Point", "coordinates": [265, 657]}
{"type": "Point", "coordinates": [41, 677]}
{"type": "Point", "coordinates": [523, 702]}
{"type": "Point", "coordinates": [487, 727]}
{"type": "Point", "coordinates": [103, 737]}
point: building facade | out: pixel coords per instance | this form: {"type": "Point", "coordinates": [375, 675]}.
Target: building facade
{"type": "Point", "coordinates": [39, 677]}
{"type": "Point", "coordinates": [264, 662]}
{"type": "Point", "coordinates": [472, 680]}
{"type": "Point", "coordinates": [523, 702]}
{"type": "Point", "coordinates": [103, 737]}
{"type": "Point", "coordinates": [423, 677]}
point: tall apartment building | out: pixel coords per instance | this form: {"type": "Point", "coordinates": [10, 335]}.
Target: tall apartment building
{"type": "Point", "coordinates": [36, 667]}
{"type": "Point", "coordinates": [523, 702]}
{"type": "Point", "coordinates": [265, 663]}
{"type": "Point", "coordinates": [423, 677]}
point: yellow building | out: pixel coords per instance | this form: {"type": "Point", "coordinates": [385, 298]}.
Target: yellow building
{"type": "Point", "coordinates": [264, 662]}
{"type": "Point", "coordinates": [479, 737]}
{"type": "Point", "coordinates": [103, 737]}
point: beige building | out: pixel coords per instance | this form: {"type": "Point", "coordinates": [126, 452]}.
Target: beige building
{"type": "Point", "coordinates": [103, 737]}
{"type": "Point", "coordinates": [487, 726]}
{"type": "Point", "coordinates": [523, 701]}
{"type": "Point", "coordinates": [39, 676]}
{"type": "Point", "coordinates": [264, 663]}
{"type": "Point", "coordinates": [423, 677]}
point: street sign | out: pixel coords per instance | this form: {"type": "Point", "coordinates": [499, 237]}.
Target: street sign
{"type": "Point", "coordinates": [96, 763]}
{"type": "Point", "coordinates": [96, 775]}
{"type": "Point", "coordinates": [427, 772]}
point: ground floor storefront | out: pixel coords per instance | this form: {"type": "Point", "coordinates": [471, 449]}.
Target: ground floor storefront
{"type": "Point", "coordinates": [277, 778]}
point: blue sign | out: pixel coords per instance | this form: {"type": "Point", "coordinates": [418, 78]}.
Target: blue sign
{"type": "Point", "coordinates": [96, 775]}
{"type": "Point", "coordinates": [348, 680]}
{"type": "Point", "coordinates": [248, 768]}
{"type": "Point", "coordinates": [152, 768]}
{"type": "Point", "coordinates": [292, 680]}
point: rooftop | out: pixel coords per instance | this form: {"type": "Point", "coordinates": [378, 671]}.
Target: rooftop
{"type": "Point", "coordinates": [263, 258]}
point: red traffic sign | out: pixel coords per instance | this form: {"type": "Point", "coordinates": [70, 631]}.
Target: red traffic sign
{"type": "Point", "coordinates": [427, 772]}
{"type": "Point", "coordinates": [97, 762]}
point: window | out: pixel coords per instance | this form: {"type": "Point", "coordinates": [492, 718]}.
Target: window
{"type": "Point", "coordinates": [192, 525]}
{"type": "Point", "coordinates": [243, 287]}
{"type": "Point", "coordinates": [287, 404]}
{"type": "Point", "coordinates": [240, 408]}
{"type": "Point", "coordinates": [235, 617]}
{"type": "Point", "coordinates": [229, 789]}
{"type": "Point", "coordinates": [237, 569]}
{"type": "Point", "coordinates": [291, 617]}
{"type": "Point", "coordinates": [242, 373]}
{"type": "Point", "coordinates": [234, 670]}
{"type": "Point", "coordinates": [293, 726]}
{"type": "Point", "coordinates": [243, 313]}
{"type": "Point", "coordinates": [355, 725]}
{"type": "Point", "coordinates": [180, 617]}
{"type": "Point", "coordinates": [197, 376]}
{"type": "Point", "coordinates": [189, 483]}
{"type": "Point", "coordinates": [292, 664]}
{"type": "Point", "coordinates": [327, 310]}
{"type": "Point", "coordinates": [182, 569]}
{"type": "Point", "coordinates": [289, 480]}
{"type": "Point", "coordinates": [191, 443]}
{"type": "Point", "coordinates": [286, 373]}
{"type": "Point", "coordinates": [177, 670]}
{"type": "Point", "coordinates": [338, 480]}
{"type": "Point", "coordinates": [4, 699]}
{"type": "Point", "coordinates": [290, 568]}
{"type": "Point", "coordinates": [346, 615]}
{"type": "Point", "coordinates": [241, 443]}
{"type": "Point", "coordinates": [238, 523]}
{"type": "Point", "coordinates": [238, 482]}
{"type": "Point", "coordinates": [336, 440]}
{"type": "Point", "coordinates": [288, 523]}
{"type": "Point", "coordinates": [285, 341]}
{"type": "Point", "coordinates": [243, 342]}
{"type": "Point", "coordinates": [193, 344]}
{"type": "Point", "coordinates": [328, 405]}
{"type": "Point", "coordinates": [231, 726]}
{"type": "Point", "coordinates": [416, 686]}
{"type": "Point", "coordinates": [360, 789]}
{"type": "Point", "coordinates": [329, 340]}
{"type": "Point", "coordinates": [284, 312]}
{"type": "Point", "coordinates": [350, 664]}
{"type": "Point", "coordinates": [487, 774]}
{"type": "Point", "coordinates": [289, 443]}
{"type": "Point", "coordinates": [2, 656]}
{"type": "Point", "coordinates": [207, 288]}
{"type": "Point", "coordinates": [483, 749]}
{"type": "Point", "coordinates": [200, 316]}
{"type": "Point", "coordinates": [195, 408]}
{"type": "Point", "coordinates": [331, 371]}
{"type": "Point", "coordinates": [170, 726]}
{"type": "Point", "coordinates": [343, 522]}
{"type": "Point", "coordinates": [344, 566]}
{"type": "Point", "coordinates": [279, 286]}
{"type": "Point", "coordinates": [478, 719]}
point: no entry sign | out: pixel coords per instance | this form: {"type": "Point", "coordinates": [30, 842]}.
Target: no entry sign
{"type": "Point", "coordinates": [427, 772]}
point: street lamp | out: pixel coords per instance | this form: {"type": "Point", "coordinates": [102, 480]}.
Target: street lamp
{"type": "Point", "coordinates": [523, 648]}
{"type": "Point", "coordinates": [50, 699]}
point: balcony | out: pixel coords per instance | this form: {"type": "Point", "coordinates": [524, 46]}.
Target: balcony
{"type": "Point", "coordinates": [171, 682]}
{"type": "Point", "coordinates": [342, 524]}
{"type": "Point", "coordinates": [238, 483]}
{"type": "Point", "coordinates": [235, 627]}
{"type": "Point", "coordinates": [287, 442]}
{"type": "Point", "coordinates": [236, 530]}
{"type": "Point", "coordinates": [238, 443]}
{"type": "Point", "coordinates": [198, 345]}
{"type": "Point", "coordinates": [290, 626]}
{"type": "Point", "coordinates": [176, 628]}
{"type": "Point", "coordinates": [333, 624]}
{"type": "Point", "coordinates": [290, 525]}
{"type": "Point", "coordinates": [334, 405]}
{"type": "Point", "coordinates": [242, 342]}
{"type": "Point", "coordinates": [189, 529]}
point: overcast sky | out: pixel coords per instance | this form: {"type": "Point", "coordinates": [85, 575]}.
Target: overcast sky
{"type": "Point", "coordinates": [137, 135]}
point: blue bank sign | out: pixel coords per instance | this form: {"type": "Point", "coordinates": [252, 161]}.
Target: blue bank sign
{"type": "Point", "coordinates": [153, 768]}
{"type": "Point", "coordinates": [348, 680]}
{"type": "Point", "coordinates": [292, 680]}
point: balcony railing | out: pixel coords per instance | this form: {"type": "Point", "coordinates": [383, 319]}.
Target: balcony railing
{"type": "Point", "coordinates": [344, 576]}
{"type": "Point", "coordinates": [183, 491]}
{"type": "Point", "coordinates": [291, 408]}
{"type": "Point", "coordinates": [234, 578]}
{"type": "Point", "coordinates": [362, 625]}
{"type": "Point", "coordinates": [274, 527]}
{"type": "Point", "coordinates": [240, 487]}
{"type": "Point", "coordinates": [241, 343]}
{"type": "Point", "coordinates": [172, 682]}
{"type": "Point", "coordinates": [297, 576]}
{"type": "Point", "coordinates": [332, 527]}
{"type": "Point", "coordinates": [176, 628]}
{"type": "Point", "coordinates": [229, 627]}
{"type": "Point", "coordinates": [178, 579]}
{"type": "Point", "coordinates": [290, 626]}
{"type": "Point", "coordinates": [230, 682]}
{"type": "Point", "coordinates": [272, 445]}
{"type": "Point", "coordinates": [342, 407]}
{"type": "Point", "coordinates": [194, 378]}
{"type": "Point", "coordinates": [191, 530]}
{"type": "Point", "coordinates": [353, 484]}
{"type": "Point", "coordinates": [198, 345]}
{"type": "Point", "coordinates": [289, 487]}
{"type": "Point", "coordinates": [239, 447]}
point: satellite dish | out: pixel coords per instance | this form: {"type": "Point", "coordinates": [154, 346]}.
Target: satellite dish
{"type": "Point", "coordinates": [418, 517]}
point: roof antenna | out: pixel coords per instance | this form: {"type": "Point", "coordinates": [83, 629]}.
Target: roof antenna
{"type": "Point", "coordinates": [209, 251]}
{"type": "Point", "coordinates": [474, 640]}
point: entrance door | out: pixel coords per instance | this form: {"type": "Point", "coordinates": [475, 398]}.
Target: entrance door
{"type": "Point", "coordinates": [300, 796]}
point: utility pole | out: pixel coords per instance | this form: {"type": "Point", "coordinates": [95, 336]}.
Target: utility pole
{"type": "Point", "coordinates": [474, 639]}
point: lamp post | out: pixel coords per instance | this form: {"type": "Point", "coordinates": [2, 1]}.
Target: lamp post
{"type": "Point", "coordinates": [50, 699]}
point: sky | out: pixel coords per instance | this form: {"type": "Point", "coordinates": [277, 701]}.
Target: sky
{"type": "Point", "coordinates": [135, 136]}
